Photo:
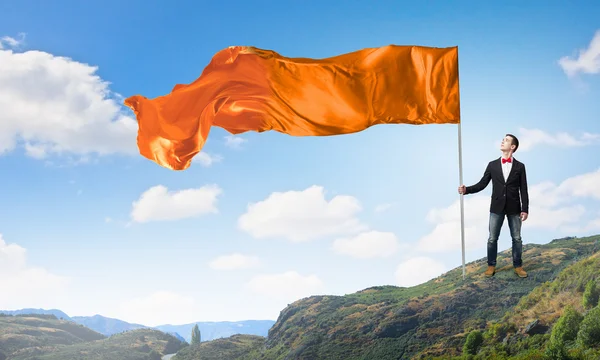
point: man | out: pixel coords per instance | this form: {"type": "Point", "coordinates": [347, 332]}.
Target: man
{"type": "Point", "coordinates": [509, 179]}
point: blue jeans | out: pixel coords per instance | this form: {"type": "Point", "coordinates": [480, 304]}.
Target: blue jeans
{"type": "Point", "coordinates": [514, 224]}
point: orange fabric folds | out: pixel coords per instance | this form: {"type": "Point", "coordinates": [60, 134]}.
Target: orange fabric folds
{"type": "Point", "coordinates": [250, 89]}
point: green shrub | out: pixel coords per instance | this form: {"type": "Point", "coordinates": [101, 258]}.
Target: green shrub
{"type": "Point", "coordinates": [589, 329]}
{"type": "Point", "coordinates": [154, 355]}
{"type": "Point", "coordinates": [567, 327]}
{"type": "Point", "coordinates": [556, 351]}
{"type": "Point", "coordinates": [498, 331]}
{"type": "Point", "coordinates": [473, 342]}
{"type": "Point", "coordinates": [591, 295]}
{"type": "Point", "coordinates": [563, 334]}
{"type": "Point", "coordinates": [531, 354]}
{"type": "Point", "coordinates": [578, 353]}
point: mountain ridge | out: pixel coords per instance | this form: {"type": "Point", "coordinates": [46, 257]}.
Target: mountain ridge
{"type": "Point", "coordinates": [210, 330]}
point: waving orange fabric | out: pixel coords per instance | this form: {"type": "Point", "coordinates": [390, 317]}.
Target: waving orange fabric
{"type": "Point", "coordinates": [250, 89]}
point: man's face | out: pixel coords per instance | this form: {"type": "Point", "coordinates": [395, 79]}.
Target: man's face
{"type": "Point", "coordinates": [506, 143]}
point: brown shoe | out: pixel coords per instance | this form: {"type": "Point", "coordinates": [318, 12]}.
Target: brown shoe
{"type": "Point", "coordinates": [491, 270]}
{"type": "Point", "coordinates": [519, 271]}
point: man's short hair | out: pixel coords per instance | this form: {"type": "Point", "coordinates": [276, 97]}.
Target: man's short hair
{"type": "Point", "coordinates": [514, 141]}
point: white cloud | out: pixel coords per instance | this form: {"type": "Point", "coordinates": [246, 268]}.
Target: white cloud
{"type": "Point", "coordinates": [157, 203]}
{"type": "Point", "coordinates": [56, 105]}
{"type": "Point", "coordinates": [551, 207]}
{"type": "Point", "coordinates": [11, 42]}
{"type": "Point", "coordinates": [446, 233]}
{"type": "Point", "coordinates": [234, 142]}
{"type": "Point", "coordinates": [367, 245]}
{"type": "Point", "coordinates": [206, 159]}
{"type": "Point", "coordinates": [159, 308]}
{"type": "Point", "coordinates": [584, 185]}
{"type": "Point", "coordinates": [234, 262]}
{"type": "Point", "coordinates": [26, 286]}
{"type": "Point", "coordinates": [587, 60]}
{"type": "Point", "coordinates": [529, 138]}
{"type": "Point", "coordinates": [53, 105]}
{"type": "Point", "coordinates": [286, 286]}
{"type": "Point", "coordinates": [302, 216]}
{"type": "Point", "coordinates": [592, 226]}
{"type": "Point", "coordinates": [418, 270]}
{"type": "Point", "coordinates": [382, 207]}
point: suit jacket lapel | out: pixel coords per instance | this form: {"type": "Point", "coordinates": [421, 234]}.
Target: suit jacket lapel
{"type": "Point", "coordinates": [512, 169]}
{"type": "Point", "coordinates": [499, 168]}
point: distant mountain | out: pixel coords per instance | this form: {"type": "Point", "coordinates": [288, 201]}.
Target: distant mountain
{"type": "Point", "coordinates": [179, 337]}
{"type": "Point", "coordinates": [106, 326]}
{"type": "Point", "coordinates": [222, 329]}
{"type": "Point", "coordinates": [209, 330]}
{"type": "Point", "coordinates": [59, 314]}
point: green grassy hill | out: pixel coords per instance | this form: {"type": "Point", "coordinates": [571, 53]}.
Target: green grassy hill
{"type": "Point", "coordinates": [534, 327]}
{"type": "Point", "coordinates": [431, 319]}
{"type": "Point", "coordinates": [43, 337]}
{"type": "Point", "coordinates": [31, 331]}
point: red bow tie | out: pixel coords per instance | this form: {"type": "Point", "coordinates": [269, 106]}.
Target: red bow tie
{"type": "Point", "coordinates": [506, 160]}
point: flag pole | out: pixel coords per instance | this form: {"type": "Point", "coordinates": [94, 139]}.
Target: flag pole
{"type": "Point", "coordinates": [460, 175]}
{"type": "Point", "coordinates": [462, 203]}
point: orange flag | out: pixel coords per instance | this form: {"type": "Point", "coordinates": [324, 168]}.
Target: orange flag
{"type": "Point", "coordinates": [250, 89]}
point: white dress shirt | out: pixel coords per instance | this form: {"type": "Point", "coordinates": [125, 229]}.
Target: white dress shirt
{"type": "Point", "coordinates": [506, 168]}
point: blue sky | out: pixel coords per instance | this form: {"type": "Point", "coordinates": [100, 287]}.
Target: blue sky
{"type": "Point", "coordinates": [374, 208]}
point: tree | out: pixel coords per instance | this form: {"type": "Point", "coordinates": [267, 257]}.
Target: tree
{"type": "Point", "coordinates": [473, 342]}
{"type": "Point", "coordinates": [565, 330]}
{"type": "Point", "coordinates": [154, 355]}
{"type": "Point", "coordinates": [567, 326]}
{"type": "Point", "coordinates": [196, 335]}
{"type": "Point", "coordinates": [589, 331]}
{"type": "Point", "coordinates": [591, 295]}
{"type": "Point", "coordinates": [172, 345]}
{"type": "Point", "coordinates": [556, 351]}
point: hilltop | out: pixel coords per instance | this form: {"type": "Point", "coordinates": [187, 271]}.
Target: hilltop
{"type": "Point", "coordinates": [19, 332]}
{"type": "Point", "coordinates": [105, 325]}
{"type": "Point", "coordinates": [58, 313]}
{"type": "Point", "coordinates": [44, 337]}
{"type": "Point", "coordinates": [431, 319]}
{"type": "Point", "coordinates": [556, 310]}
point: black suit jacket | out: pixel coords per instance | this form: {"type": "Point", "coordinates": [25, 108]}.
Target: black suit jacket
{"type": "Point", "coordinates": [505, 194]}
